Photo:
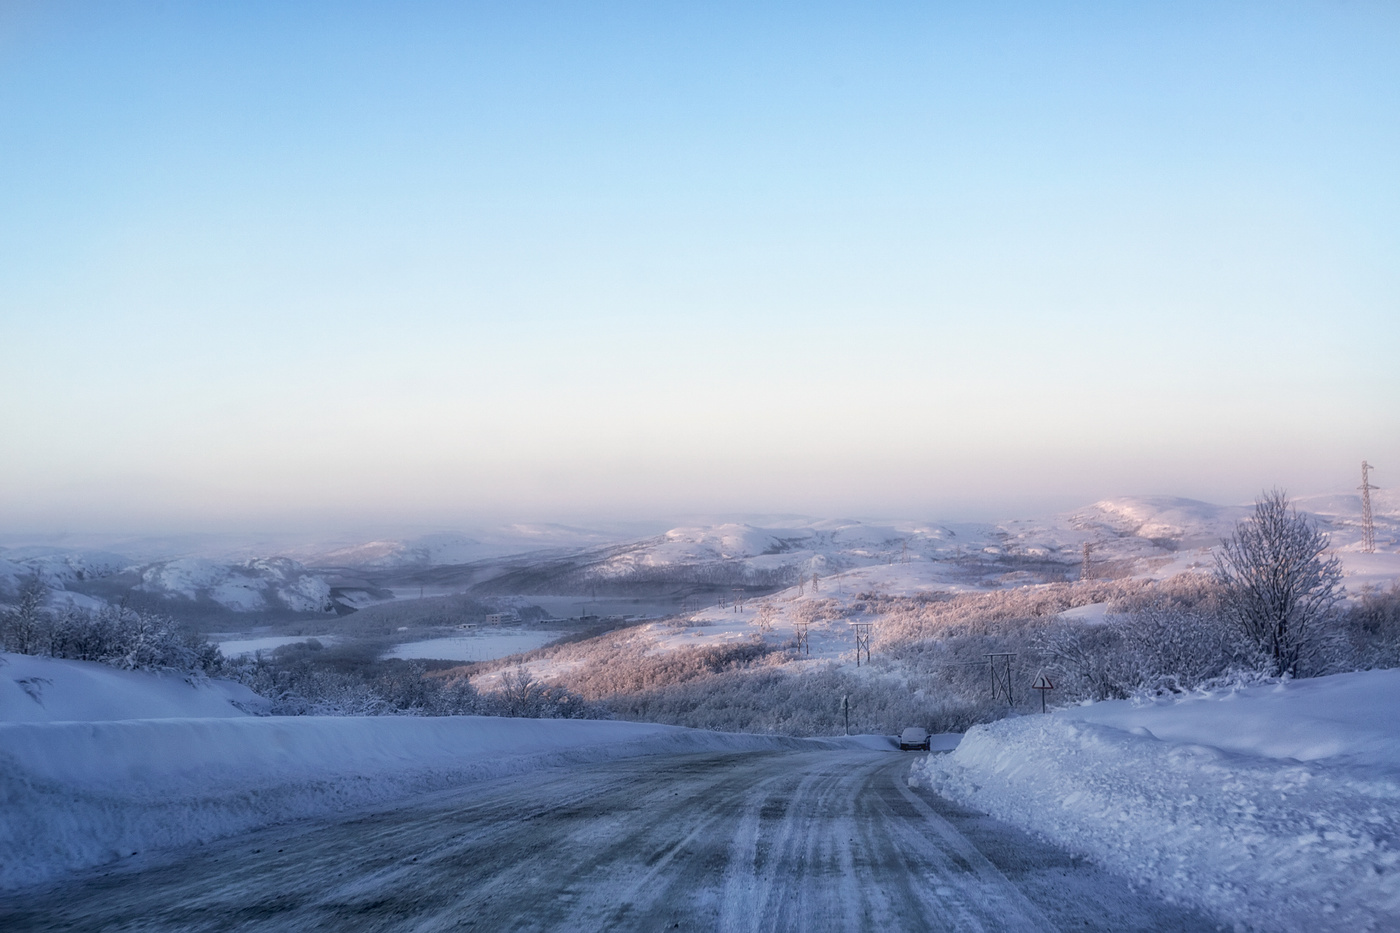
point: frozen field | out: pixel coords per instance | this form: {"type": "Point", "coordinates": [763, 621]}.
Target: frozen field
{"type": "Point", "coordinates": [484, 647]}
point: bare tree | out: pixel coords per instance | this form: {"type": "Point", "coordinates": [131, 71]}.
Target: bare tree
{"type": "Point", "coordinates": [1279, 588]}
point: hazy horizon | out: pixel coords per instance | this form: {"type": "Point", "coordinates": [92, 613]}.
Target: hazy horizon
{"type": "Point", "coordinates": [265, 536]}
{"type": "Point", "coordinates": [297, 269]}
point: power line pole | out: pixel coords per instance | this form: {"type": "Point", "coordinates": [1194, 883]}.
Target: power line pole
{"type": "Point", "coordinates": [1084, 570]}
{"type": "Point", "coordinates": [799, 629]}
{"type": "Point", "coordinates": [1368, 528]}
{"type": "Point", "coordinates": [862, 632]}
{"type": "Point", "coordinates": [1001, 680]}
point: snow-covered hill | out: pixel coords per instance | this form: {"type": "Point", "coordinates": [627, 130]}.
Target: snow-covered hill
{"type": "Point", "coordinates": [72, 578]}
{"type": "Point", "coordinates": [446, 548]}
{"type": "Point", "coordinates": [271, 583]}
{"type": "Point", "coordinates": [1127, 536]}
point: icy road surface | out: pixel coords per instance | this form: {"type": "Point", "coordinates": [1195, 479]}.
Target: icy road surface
{"type": "Point", "coordinates": [832, 840]}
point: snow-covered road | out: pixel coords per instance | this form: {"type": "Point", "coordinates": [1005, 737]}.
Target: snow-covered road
{"type": "Point", "coordinates": [794, 840]}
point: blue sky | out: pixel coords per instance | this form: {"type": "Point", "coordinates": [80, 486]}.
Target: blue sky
{"type": "Point", "coordinates": [271, 265]}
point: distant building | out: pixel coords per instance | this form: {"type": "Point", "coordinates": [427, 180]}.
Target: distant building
{"type": "Point", "coordinates": [499, 618]}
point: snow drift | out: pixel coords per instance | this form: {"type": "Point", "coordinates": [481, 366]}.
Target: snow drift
{"type": "Point", "coordinates": [81, 786]}
{"type": "Point", "coordinates": [1277, 807]}
{"type": "Point", "coordinates": [36, 689]}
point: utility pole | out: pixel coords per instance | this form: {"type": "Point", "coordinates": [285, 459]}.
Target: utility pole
{"type": "Point", "coordinates": [1368, 527]}
{"type": "Point", "coordinates": [862, 630]}
{"type": "Point", "coordinates": [1001, 680]}
{"type": "Point", "coordinates": [1084, 570]}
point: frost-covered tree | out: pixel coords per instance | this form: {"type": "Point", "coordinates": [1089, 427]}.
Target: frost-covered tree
{"type": "Point", "coordinates": [25, 628]}
{"type": "Point", "coordinates": [1279, 588]}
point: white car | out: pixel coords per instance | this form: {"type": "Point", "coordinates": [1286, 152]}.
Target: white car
{"type": "Point", "coordinates": [915, 738]}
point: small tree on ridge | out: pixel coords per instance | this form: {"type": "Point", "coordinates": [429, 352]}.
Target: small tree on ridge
{"type": "Point", "coordinates": [1279, 588]}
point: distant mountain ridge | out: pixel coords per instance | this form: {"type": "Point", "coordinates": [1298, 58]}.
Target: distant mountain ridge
{"type": "Point", "coordinates": [1139, 532]}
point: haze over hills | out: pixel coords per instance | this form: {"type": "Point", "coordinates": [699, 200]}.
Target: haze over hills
{"type": "Point", "coordinates": [1130, 535]}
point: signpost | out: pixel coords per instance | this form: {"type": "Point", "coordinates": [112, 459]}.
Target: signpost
{"type": "Point", "coordinates": [1042, 683]}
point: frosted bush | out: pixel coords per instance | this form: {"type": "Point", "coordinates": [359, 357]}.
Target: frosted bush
{"type": "Point", "coordinates": [120, 637]}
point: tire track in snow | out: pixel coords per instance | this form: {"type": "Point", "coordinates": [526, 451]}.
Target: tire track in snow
{"type": "Point", "coordinates": [804, 841]}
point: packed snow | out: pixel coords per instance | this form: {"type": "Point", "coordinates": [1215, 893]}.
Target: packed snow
{"type": "Point", "coordinates": [1276, 807]}
{"type": "Point", "coordinates": [117, 777]}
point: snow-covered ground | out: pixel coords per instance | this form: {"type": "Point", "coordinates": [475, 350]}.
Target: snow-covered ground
{"type": "Point", "coordinates": [1275, 807]}
{"type": "Point", "coordinates": [97, 764]}
{"type": "Point", "coordinates": [49, 690]}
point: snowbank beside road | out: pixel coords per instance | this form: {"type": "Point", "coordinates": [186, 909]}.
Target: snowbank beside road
{"type": "Point", "coordinates": [51, 690]}
{"type": "Point", "coordinates": [80, 794]}
{"type": "Point", "coordinates": [1276, 807]}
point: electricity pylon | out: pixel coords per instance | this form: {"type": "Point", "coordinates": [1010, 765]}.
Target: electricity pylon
{"type": "Point", "coordinates": [1368, 527]}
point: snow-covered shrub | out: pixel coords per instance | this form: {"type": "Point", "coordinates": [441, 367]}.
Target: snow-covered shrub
{"type": "Point", "coordinates": [301, 681]}
{"type": "Point", "coordinates": [904, 619]}
{"type": "Point", "coordinates": [1158, 648]}
{"type": "Point", "coordinates": [765, 698]}
{"type": "Point", "coordinates": [630, 668]}
{"type": "Point", "coordinates": [120, 637]}
{"type": "Point", "coordinates": [522, 695]}
{"type": "Point", "coordinates": [1371, 630]}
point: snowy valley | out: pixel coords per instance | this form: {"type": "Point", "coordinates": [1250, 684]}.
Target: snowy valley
{"type": "Point", "coordinates": [400, 670]}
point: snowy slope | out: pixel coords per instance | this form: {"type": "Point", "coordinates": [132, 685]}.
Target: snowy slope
{"type": "Point", "coordinates": [250, 585]}
{"type": "Point", "coordinates": [50, 690]}
{"type": "Point", "coordinates": [59, 566]}
{"type": "Point", "coordinates": [1276, 807]}
{"type": "Point", "coordinates": [269, 583]}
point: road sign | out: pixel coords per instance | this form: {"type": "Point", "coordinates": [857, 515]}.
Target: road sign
{"type": "Point", "coordinates": [1042, 683]}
